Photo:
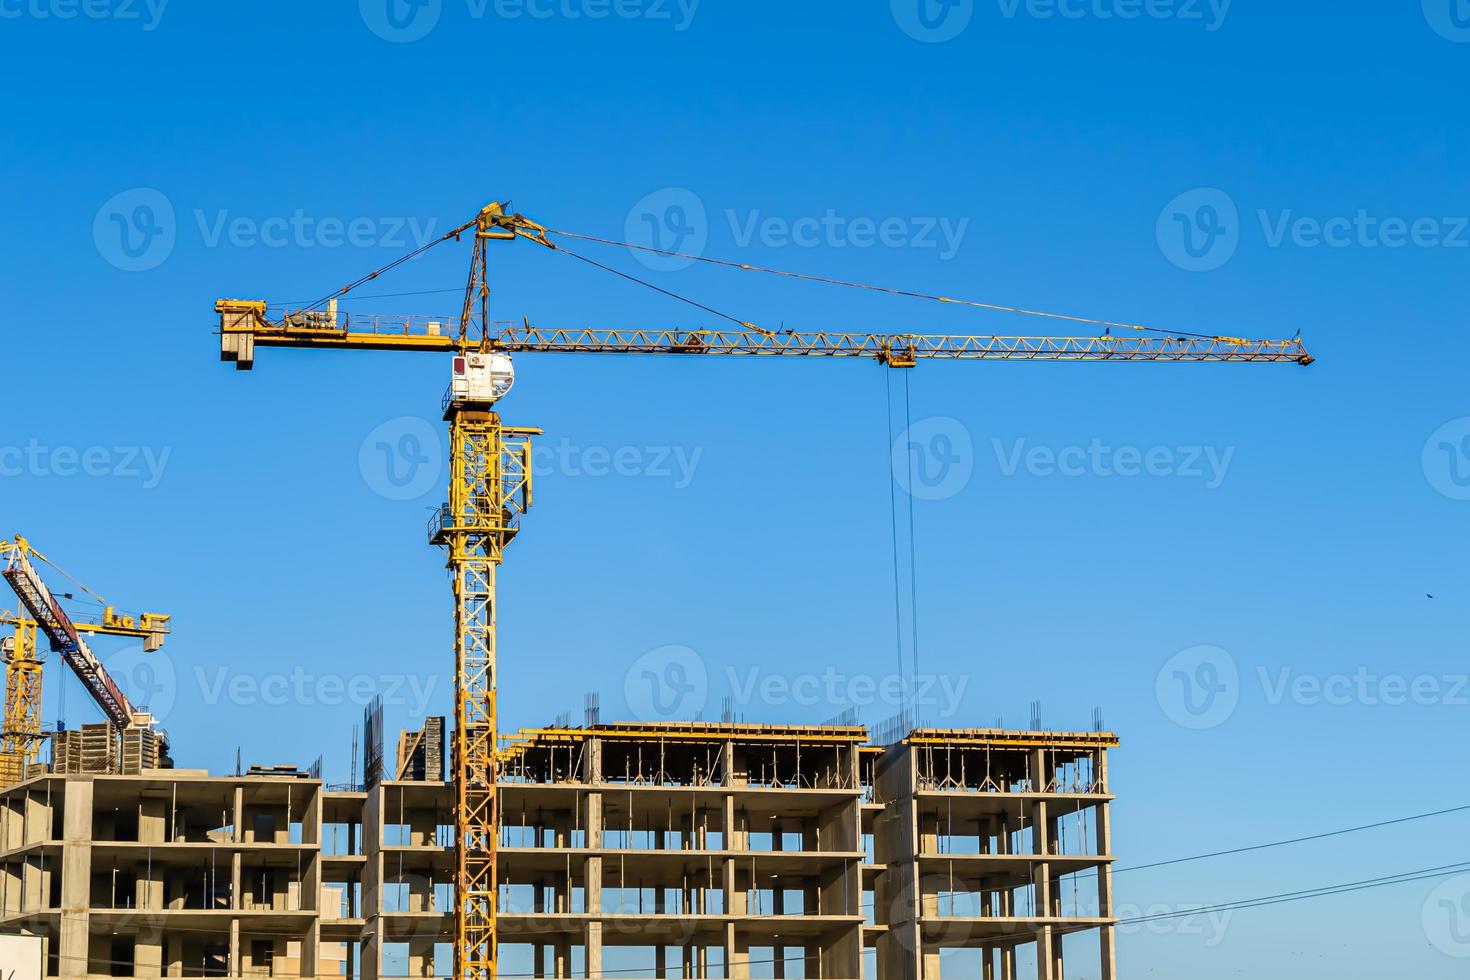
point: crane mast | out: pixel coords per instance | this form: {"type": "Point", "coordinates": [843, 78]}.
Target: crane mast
{"type": "Point", "coordinates": [490, 467]}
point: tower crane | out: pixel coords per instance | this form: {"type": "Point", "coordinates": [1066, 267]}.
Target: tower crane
{"type": "Point", "coordinates": [21, 736]}
{"type": "Point", "coordinates": [490, 463]}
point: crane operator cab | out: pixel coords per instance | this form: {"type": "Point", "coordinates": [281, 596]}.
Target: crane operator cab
{"type": "Point", "coordinates": [479, 379]}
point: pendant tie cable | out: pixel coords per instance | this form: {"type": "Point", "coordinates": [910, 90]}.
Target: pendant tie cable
{"type": "Point", "coordinates": [389, 267]}
{"type": "Point", "coordinates": [657, 289]}
{"type": "Point", "coordinates": [746, 267]}
{"type": "Point", "coordinates": [523, 228]}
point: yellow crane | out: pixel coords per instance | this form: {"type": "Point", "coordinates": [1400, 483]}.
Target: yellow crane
{"type": "Point", "coordinates": [490, 463]}
{"type": "Point", "coordinates": [21, 736]}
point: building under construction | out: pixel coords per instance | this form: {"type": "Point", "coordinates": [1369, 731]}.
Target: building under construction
{"type": "Point", "coordinates": [684, 850]}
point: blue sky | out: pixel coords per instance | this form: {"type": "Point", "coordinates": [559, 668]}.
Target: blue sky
{"type": "Point", "coordinates": [1231, 561]}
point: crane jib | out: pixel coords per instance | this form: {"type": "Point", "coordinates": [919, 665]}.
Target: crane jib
{"type": "Point", "coordinates": [65, 639]}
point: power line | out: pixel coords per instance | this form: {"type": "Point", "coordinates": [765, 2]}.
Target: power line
{"type": "Point", "coordinates": [1325, 891]}
{"type": "Point", "coordinates": [1294, 840]}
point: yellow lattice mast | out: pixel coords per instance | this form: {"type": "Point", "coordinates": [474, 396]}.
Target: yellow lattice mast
{"type": "Point", "coordinates": [490, 469]}
{"type": "Point", "coordinates": [20, 741]}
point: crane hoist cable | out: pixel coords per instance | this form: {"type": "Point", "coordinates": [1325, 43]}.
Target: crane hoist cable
{"type": "Point", "coordinates": [908, 422]}
{"type": "Point", "coordinates": [893, 536]}
{"type": "Point", "coordinates": [893, 509]}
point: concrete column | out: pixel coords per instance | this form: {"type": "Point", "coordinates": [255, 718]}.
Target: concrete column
{"type": "Point", "coordinates": [76, 879]}
{"type": "Point", "coordinates": [35, 888]}
{"type": "Point", "coordinates": [372, 884]}
{"type": "Point", "coordinates": [592, 869]}
{"type": "Point", "coordinates": [1041, 889]}
{"type": "Point", "coordinates": [37, 820]}
{"type": "Point", "coordinates": [237, 818]}
{"type": "Point", "coordinates": [311, 947]}
{"type": "Point", "coordinates": [148, 955]}
{"type": "Point", "coordinates": [930, 962]}
{"type": "Point", "coordinates": [661, 954]}
{"type": "Point", "coordinates": [1106, 934]}
{"type": "Point", "coordinates": [737, 954]}
{"type": "Point", "coordinates": [594, 950]}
